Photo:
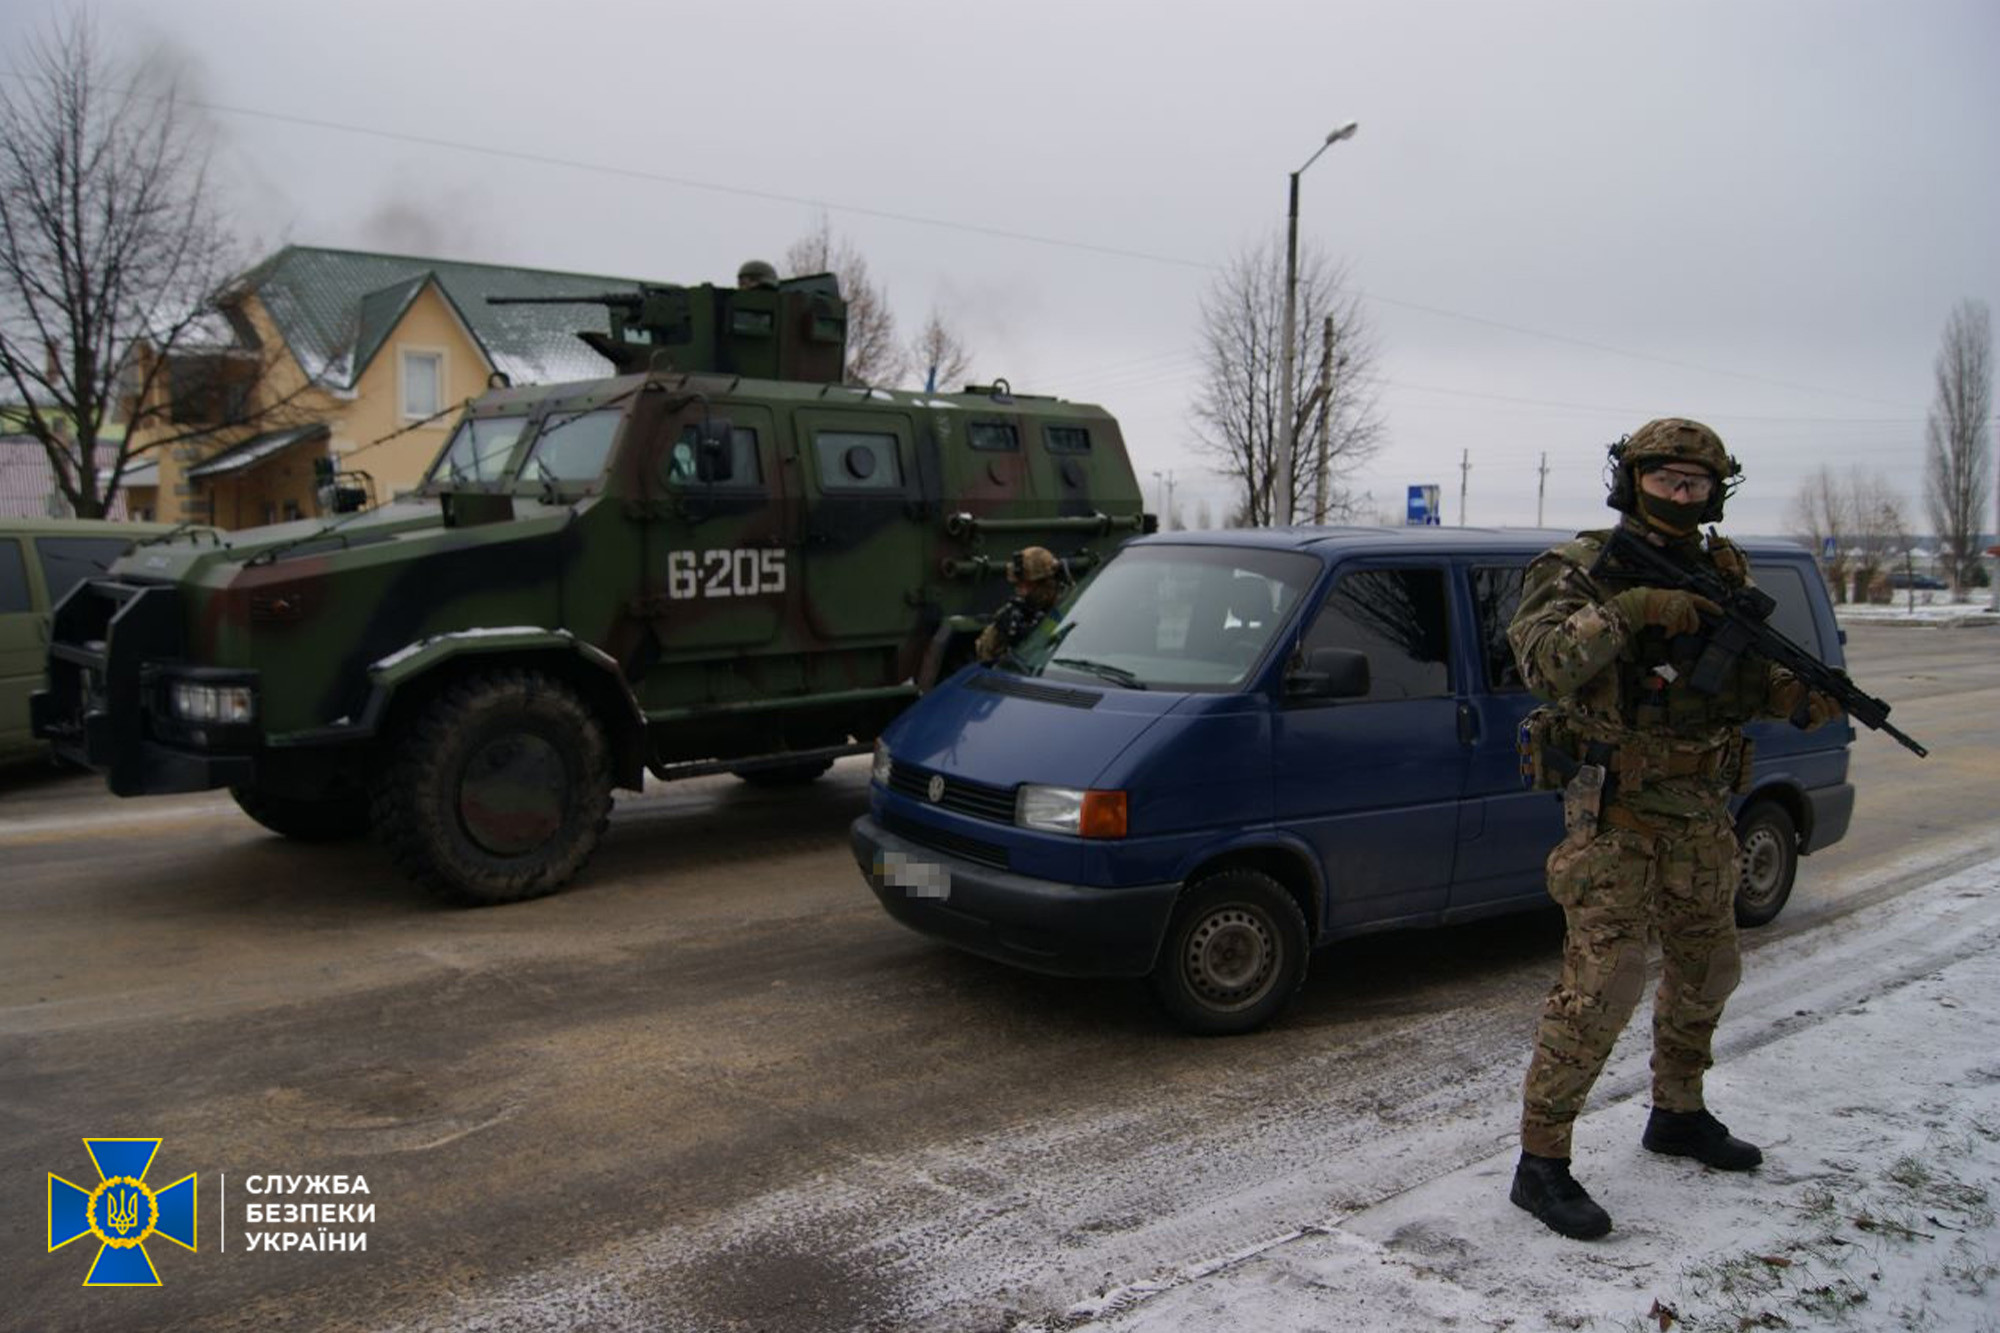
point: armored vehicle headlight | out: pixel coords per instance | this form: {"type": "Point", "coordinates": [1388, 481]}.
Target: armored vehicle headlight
{"type": "Point", "coordinates": [1083, 814]}
{"type": "Point", "coordinates": [223, 704]}
{"type": "Point", "coordinates": [879, 774]}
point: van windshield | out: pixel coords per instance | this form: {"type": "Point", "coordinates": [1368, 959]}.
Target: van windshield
{"type": "Point", "coordinates": [1193, 618]}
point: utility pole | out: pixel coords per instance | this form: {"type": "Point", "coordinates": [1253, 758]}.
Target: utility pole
{"type": "Point", "coordinates": [1166, 480]}
{"type": "Point", "coordinates": [1541, 487]}
{"type": "Point", "coordinates": [1287, 427]}
{"type": "Point", "coordinates": [1325, 420]}
{"type": "Point", "coordinates": [1464, 470]}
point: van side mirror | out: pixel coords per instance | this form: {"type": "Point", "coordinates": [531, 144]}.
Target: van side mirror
{"type": "Point", "coordinates": [1329, 673]}
{"type": "Point", "coordinates": [714, 458]}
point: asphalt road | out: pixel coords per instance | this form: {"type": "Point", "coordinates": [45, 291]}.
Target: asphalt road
{"type": "Point", "coordinates": [711, 1086]}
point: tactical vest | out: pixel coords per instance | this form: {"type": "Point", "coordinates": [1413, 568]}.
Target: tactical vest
{"type": "Point", "coordinates": [1642, 707]}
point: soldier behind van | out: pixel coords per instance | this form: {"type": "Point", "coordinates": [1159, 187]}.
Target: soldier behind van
{"type": "Point", "coordinates": [1039, 580]}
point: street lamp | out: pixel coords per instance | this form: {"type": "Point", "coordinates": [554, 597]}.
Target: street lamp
{"type": "Point", "coordinates": [1288, 428]}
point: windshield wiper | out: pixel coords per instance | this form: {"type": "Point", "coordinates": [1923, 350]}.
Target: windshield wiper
{"type": "Point", "coordinates": [1103, 670]}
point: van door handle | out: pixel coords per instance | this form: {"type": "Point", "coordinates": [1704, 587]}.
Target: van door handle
{"type": "Point", "coordinates": [1468, 723]}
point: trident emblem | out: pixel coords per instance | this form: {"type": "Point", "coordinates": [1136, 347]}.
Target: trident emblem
{"type": "Point", "coordinates": [124, 1210]}
{"type": "Point", "coordinates": [122, 1213]}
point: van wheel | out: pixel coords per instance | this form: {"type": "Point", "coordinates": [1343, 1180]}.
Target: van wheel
{"type": "Point", "coordinates": [332, 818]}
{"type": "Point", "coordinates": [1234, 955]}
{"type": "Point", "coordinates": [501, 792]}
{"type": "Point", "coordinates": [785, 775]}
{"type": "Point", "coordinates": [1767, 862]}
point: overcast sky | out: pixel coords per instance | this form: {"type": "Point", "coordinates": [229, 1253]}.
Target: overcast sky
{"type": "Point", "coordinates": [1565, 218]}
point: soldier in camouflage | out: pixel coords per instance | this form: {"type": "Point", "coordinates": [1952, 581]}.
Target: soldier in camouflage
{"type": "Point", "coordinates": [1647, 768]}
{"type": "Point", "coordinates": [1039, 580]}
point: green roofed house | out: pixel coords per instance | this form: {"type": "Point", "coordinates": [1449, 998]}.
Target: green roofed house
{"type": "Point", "coordinates": [370, 355]}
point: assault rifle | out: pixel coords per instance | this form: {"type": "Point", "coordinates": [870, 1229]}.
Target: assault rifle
{"type": "Point", "coordinates": [1739, 629]}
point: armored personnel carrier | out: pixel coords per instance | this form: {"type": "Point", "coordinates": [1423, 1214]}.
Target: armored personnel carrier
{"type": "Point", "coordinates": [720, 559]}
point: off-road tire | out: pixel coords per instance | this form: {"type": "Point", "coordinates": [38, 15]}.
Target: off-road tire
{"type": "Point", "coordinates": [786, 775]}
{"type": "Point", "coordinates": [1767, 862]}
{"type": "Point", "coordinates": [333, 818]}
{"type": "Point", "coordinates": [436, 810]}
{"type": "Point", "coordinates": [1234, 955]}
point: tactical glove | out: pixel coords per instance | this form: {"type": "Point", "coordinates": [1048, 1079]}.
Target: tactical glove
{"type": "Point", "coordinates": [1672, 610]}
{"type": "Point", "coordinates": [1807, 709]}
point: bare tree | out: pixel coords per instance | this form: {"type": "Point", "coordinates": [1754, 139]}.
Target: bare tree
{"type": "Point", "coordinates": [938, 357]}
{"type": "Point", "coordinates": [111, 255]}
{"type": "Point", "coordinates": [1242, 334]}
{"type": "Point", "coordinates": [1960, 460]}
{"type": "Point", "coordinates": [1820, 518]}
{"type": "Point", "coordinates": [1881, 531]}
{"type": "Point", "coordinates": [874, 357]}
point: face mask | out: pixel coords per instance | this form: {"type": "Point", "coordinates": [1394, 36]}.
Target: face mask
{"type": "Point", "coordinates": [1677, 517]}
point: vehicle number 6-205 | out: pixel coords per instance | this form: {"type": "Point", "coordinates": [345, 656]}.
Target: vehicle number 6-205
{"type": "Point", "coordinates": [742, 572]}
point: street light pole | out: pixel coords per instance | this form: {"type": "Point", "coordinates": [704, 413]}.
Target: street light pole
{"type": "Point", "coordinates": [1288, 428]}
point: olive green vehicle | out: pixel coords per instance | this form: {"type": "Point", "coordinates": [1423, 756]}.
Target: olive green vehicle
{"type": "Point", "coordinates": [679, 570]}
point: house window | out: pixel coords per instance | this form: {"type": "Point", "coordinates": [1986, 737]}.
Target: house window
{"type": "Point", "coordinates": [423, 384]}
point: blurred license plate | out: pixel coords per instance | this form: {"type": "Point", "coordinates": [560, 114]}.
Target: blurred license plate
{"type": "Point", "coordinates": [919, 879]}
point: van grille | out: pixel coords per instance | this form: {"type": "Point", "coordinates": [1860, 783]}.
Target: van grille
{"type": "Point", "coordinates": [966, 798]}
{"type": "Point", "coordinates": [943, 840]}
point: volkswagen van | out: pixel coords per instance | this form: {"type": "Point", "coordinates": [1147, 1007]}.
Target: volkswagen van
{"type": "Point", "coordinates": [1226, 750]}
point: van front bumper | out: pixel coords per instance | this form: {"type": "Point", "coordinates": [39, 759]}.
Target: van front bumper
{"type": "Point", "coordinates": [1063, 929]}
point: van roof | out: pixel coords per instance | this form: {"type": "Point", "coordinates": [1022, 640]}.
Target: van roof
{"type": "Point", "coordinates": [1330, 542]}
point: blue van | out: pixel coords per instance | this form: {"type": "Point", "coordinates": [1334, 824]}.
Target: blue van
{"type": "Point", "coordinates": [1227, 749]}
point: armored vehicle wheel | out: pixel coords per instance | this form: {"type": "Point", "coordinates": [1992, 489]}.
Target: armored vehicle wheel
{"type": "Point", "coordinates": [1767, 863]}
{"type": "Point", "coordinates": [1234, 954]}
{"type": "Point", "coordinates": [331, 819]}
{"type": "Point", "coordinates": [501, 791]}
{"type": "Point", "coordinates": [786, 775]}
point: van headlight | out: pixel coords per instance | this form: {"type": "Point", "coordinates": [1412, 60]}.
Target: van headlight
{"type": "Point", "coordinates": [879, 773]}
{"type": "Point", "coordinates": [1080, 814]}
{"type": "Point", "coordinates": [213, 705]}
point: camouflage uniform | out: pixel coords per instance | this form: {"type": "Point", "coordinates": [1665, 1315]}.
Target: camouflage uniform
{"type": "Point", "coordinates": [1660, 858]}
{"type": "Point", "coordinates": [1039, 580]}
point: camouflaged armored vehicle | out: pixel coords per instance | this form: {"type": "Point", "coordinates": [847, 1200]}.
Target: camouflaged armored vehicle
{"type": "Point", "coordinates": [721, 560]}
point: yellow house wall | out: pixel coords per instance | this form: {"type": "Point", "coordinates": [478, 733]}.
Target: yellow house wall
{"type": "Point", "coordinates": [398, 464]}
{"type": "Point", "coordinates": [357, 420]}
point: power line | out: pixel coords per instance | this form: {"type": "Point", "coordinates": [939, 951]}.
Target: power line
{"type": "Point", "coordinates": [773, 196]}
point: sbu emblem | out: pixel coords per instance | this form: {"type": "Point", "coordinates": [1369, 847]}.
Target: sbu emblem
{"type": "Point", "coordinates": [122, 1213]}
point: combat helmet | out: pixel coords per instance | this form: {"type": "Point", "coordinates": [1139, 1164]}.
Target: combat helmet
{"type": "Point", "coordinates": [1671, 440]}
{"type": "Point", "coordinates": [756, 274]}
{"type": "Point", "coordinates": [1034, 564]}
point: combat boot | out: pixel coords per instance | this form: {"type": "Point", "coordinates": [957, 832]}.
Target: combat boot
{"type": "Point", "coordinates": [1544, 1186]}
{"type": "Point", "coordinates": [1699, 1135]}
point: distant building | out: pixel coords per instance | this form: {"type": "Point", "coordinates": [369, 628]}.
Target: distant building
{"type": "Point", "coordinates": [373, 353]}
{"type": "Point", "coordinates": [28, 486]}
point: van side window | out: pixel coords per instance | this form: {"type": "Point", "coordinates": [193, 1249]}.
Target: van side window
{"type": "Point", "coordinates": [854, 460]}
{"type": "Point", "coordinates": [1496, 595]}
{"type": "Point", "coordinates": [68, 561]}
{"type": "Point", "coordinates": [1398, 618]}
{"type": "Point", "coordinates": [1793, 618]}
{"type": "Point", "coordinates": [13, 578]}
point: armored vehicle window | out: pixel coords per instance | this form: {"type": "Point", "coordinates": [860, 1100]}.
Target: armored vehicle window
{"type": "Point", "coordinates": [999, 436]}
{"type": "Point", "coordinates": [1066, 439]}
{"type": "Point", "coordinates": [13, 578]}
{"type": "Point", "coordinates": [68, 561]}
{"type": "Point", "coordinates": [743, 469]}
{"type": "Point", "coordinates": [573, 447]}
{"type": "Point", "coordinates": [1496, 593]}
{"type": "Point", "coordinates": [1793, 617]}
{"type": "Point", "coordinates": [1398, 617]}
{"type": "Point", "coordinates": [852, 460]}
{"type": "Point", "coordinates": [751, 323]}
{"type": "Point", "coordinates": [477, 450]}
